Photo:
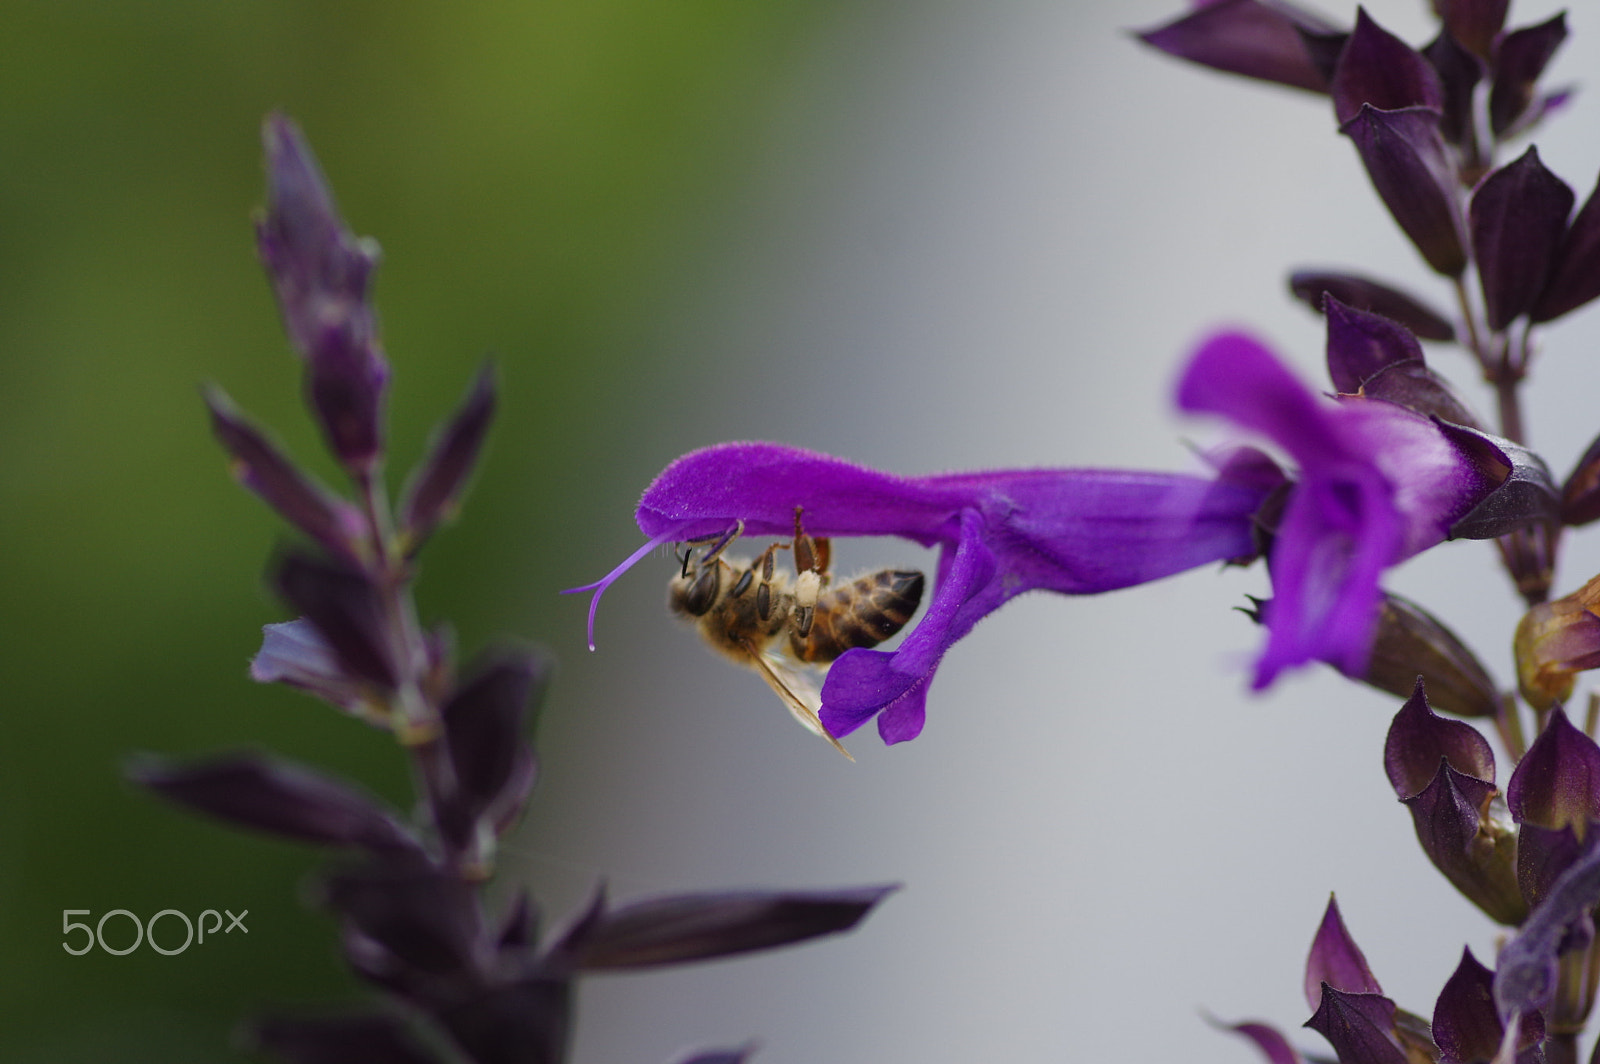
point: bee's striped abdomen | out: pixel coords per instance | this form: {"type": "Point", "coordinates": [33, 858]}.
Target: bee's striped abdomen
{"type": "Point", "coordinates": [862, 613]}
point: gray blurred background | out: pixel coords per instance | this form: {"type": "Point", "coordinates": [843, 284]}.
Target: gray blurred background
{"type": "Point", "coordinates": [922, 236]}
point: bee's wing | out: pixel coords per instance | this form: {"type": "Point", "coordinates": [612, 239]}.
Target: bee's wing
{"type": "Point", "coordinates": [799, 693]}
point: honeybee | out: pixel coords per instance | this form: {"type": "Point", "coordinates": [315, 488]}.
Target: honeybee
{"type": "Point", "coordinates": [755, 615]}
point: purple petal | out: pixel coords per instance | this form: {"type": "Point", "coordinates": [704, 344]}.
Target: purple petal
{"type": "Point", "coordinates": [1419, 739]}
{"type": "Point", "coordinates": [1518, 216]}
{"type": "Point", "coordinates": [1359, 1027]}
{"type": "Point", "coordinates": [719, 1056]}
{"type": "Point", "coordinates": [1474, 24]}
{"type": "Point", "coordinates": [1465, 1025]}
{"type": "Point", "coordinates": [1360, 343]}
{"type": "Point", "coordinates": [1380, 70]}
{"type": "Point", "coordinates": [485, 734]}
{"type": "Point", "coordinates": [299, 499]}
{"type": "Point", "coordinates": [1459, 73]}
{"type": "Point", "coordinates": [1363, 293]}
{"type": "Point", "coordinates": [1418, 388]}
{"type": "Point", "coordinates": [1512, 485]}
{"type": "Point", "coordinates": [1407, 161]}
{"type": "Point", "coordinates": [345, 609]}
{"type": "Point", "coordinates": [1274, 1046]}
{"type": "Point", "coordinates": [426, 920]}
{"type": "Point", "coordinates": [1336, 960]}
{"type": "Point", "coordinates": [1580, 495]}
{"type": "Point", "coordinates": [1519, 62]}
{"type": "Point", "coordinates": [281, 798]}
{"type": "Point", "coordinates": [1247, 37]}
{"type": "Point", "coordinates": [1542, 855]}
{"type": "Point", "coordinates": [433, 493]}
{"type": "Point", "coordinates": [691, 927]}
{"type": "Point", "coordinates": [295, 653]}
{"type": "Point", "coordinates": [1575, 275]}
{"type": "Point", "coordinates": [1557, 782]}
{"type": "Point", "coordinates": [321, 273]}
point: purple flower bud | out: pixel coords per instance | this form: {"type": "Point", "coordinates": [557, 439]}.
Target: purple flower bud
{"type": "Point", "coordinates": [1360, 1027]}
{"type": "Point", "coordinates": [691, 927]}
{"type": "Point", "coordinates": [1336, 961]}
{"type": "Point", "coordinates": [260, 466]}
{"type": "Point", "coordinates": [1419, 739]}
{"type": "Point", "coordinates": [281, 798]}
{"type": "Point", "coordinates": [1412, 645]}
{"type": "Point", "coordinates": [1455, 820]}
{"type": "Point", "coordinates": [1247, 37]}
{"type": "Point", "coordinates": [1575, 274]}
{"type": "Point", "coordinates": [1474, 24]}
{"type": "Point", "coordinates": [1555, 641]}
{"type": "Point", "coordinates": [434, 489]}
{"type": "Point", "coordinates": [321, 273]}
{"type": "Point", "coordinates": [1518, 214]}
{"type": "Point", "coordinates": [1379, 70]}
{"type": "Point", "coordinates": [372, 1039]}
{"type": "Point", "coordinates": [1466, 1027]}
{"type": "Point", "coordinates": [1406, 159]}
{"type": "Point", "coordinates": [1519, 62]}
{"type": "Point", "coordinates": [1363, 293]}
{"type": "Point", "coordinates": [346, 611]}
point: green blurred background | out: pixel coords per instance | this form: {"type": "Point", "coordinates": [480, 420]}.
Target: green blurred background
{"type": "Point", "coordinates": [540, 177]}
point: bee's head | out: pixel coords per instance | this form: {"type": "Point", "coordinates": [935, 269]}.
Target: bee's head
{"type": "Point", "coordinates": [695, 590]}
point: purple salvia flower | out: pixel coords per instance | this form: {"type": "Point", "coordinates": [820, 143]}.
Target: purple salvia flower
{"type": "Point", "coordinates": [1381, 359]}
{"type": "Point", "coordinates": [1360, 1027]}
{"type": "Point", "coordinates": [1001, 533]}
{"type": "Point", "coordinates": [321, 273]}
{"type": "Point", "coordinates": [1377, 484]}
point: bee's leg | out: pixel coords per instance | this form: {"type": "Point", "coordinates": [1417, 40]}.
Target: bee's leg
{"type": "Point", "coordinates": [765, 566]}
{"type": "Point", "coordinates": [811, 558]}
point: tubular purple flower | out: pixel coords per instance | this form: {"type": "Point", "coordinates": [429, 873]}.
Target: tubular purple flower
{"type": "Point", "coordinates": [1000, 534]}
{"type": "Point", "coordinates": [1377, 483]}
